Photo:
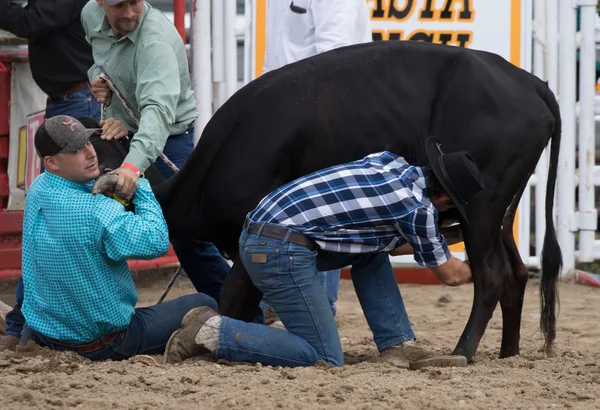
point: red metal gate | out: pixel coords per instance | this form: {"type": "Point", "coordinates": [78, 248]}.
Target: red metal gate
{"type": "Point", "coordinates": [11, 223]}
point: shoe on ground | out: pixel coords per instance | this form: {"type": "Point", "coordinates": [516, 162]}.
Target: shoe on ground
{"type": "Point", "coordinates": [410, 356]}
{"type": "Point", "coordinates": [8, 342]}
{"type": "Point", "coordinates": [182, 343]}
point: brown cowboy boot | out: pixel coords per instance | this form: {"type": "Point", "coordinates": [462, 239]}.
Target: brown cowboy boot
{"type": "Point", "coordinates": [408, 355]}
{"type": "Point", "coordinates": [182, 344]}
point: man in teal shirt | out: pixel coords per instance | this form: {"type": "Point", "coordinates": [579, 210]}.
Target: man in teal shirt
{"type": "Point", "coordinates": [79, 294]}
{"type": "Point", "coordinates": [143, 54]}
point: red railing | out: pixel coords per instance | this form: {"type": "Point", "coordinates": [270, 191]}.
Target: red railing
{"type": "Point", "coordinates": [179, 17]}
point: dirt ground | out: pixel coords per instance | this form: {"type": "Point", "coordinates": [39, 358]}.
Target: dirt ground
{"type": "Point", "coordinates": [46, 379]}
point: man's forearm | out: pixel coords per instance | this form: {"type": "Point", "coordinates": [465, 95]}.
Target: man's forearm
{"type": "Point", "coordinates": [37, 20]}
{"type": "Point", "coordinates": [141, 236]}
{"type": "Point", "coordinates": [148, 143]}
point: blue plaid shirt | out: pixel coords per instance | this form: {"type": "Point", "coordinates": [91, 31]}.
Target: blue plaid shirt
{"type": "Point", "coordinates": [371, 205]}
{"type": "Point", "coordinates": [75, 246]}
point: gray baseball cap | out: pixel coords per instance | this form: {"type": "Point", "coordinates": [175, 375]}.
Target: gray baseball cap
{"type": "Point", "coordinates": [113, 2]}
{"type": "Point", "coordinates": [62, 134]}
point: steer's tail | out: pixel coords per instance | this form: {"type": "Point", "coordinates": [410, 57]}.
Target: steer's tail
{"type": "Point", "coordinates": [551, 254]}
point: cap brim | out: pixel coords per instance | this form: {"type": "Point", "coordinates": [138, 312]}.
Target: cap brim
{"type": "Point", "coordinates": [434, 153]}
{"type": "Point", "coordinates": [80, 140]}
{"type": "Point", "coordinates": [113, 2]}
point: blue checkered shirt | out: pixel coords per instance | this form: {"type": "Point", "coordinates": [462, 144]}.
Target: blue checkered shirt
{"type": "Point", "coordinates": [75, 245]}
{"type": "Point", "coordinates": [371, 205]}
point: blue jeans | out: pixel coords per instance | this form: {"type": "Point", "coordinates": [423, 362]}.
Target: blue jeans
{"type": "Point", "coordinates": [80, 103]}
{"type": "Point", "coordinates": [202, 262]}
{"type": "Point", "coordinates": [148, 332]}
{"type": "Point", "coordinates": [330, 279]}
{"type": "Point", "coordinates": [287, 274]}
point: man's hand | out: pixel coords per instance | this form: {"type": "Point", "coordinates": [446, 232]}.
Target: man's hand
{"type": "Point", "coordinates": [105, 185]}
{"type": "Point", "coordinates": [101, 91]}
{"type": "Point", "coordinates": [454, 272]}
{"type": "Point", "coordinates": [123, 181]}
{"type": "Point", "coordinates": [127, 183]}
{"type": "Point", "coordinates": [112, 128]}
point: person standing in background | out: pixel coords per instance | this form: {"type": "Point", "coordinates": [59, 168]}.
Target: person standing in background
{"type": "Point", "coordinates": [142, 53]}
{"type": "Point", "coordinates": [301, 29]}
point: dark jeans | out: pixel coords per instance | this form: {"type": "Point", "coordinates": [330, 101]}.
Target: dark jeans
{"type": "Point", "coordinates": [80, 103]}
{"type": "Point", "coordinates": [202, 262]}
{"type": "Point", "coordinates": [147, 333]}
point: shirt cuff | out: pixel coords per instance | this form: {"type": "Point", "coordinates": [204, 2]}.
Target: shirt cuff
{"type": "Point", "coordinates": [137, 159]}
{"type": "Point", "coordinates": [434, 258]}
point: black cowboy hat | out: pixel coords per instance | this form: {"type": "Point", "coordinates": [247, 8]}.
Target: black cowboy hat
{"type": "Point", "coordinates": [457, 173]}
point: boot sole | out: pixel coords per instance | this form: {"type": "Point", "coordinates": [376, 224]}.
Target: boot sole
{"type": "Point", "coordinates": [439, 361]}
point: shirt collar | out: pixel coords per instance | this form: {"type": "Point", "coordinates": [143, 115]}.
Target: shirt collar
{"type": "Point", "coordinates": [105, 28]}
{"type": "Point", "coordinates": [59, 182]}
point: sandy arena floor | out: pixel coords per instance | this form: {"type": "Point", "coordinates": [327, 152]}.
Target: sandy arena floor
{"type": "Point", "coordinates": [45, 379]}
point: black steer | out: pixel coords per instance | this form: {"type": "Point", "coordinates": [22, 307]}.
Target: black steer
{"type": "Point", "coordinates": [347, 103]}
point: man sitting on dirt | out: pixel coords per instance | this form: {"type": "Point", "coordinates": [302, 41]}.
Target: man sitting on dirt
{"type": "Point", "coordinates": [350, 214]}
{"type": "Point", "coordinates": [79, 294]}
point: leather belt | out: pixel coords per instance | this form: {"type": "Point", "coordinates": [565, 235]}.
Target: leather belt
{"type": "Point", "coordinates": [91, 346]}
{"type": "Point", "coordinates": [76, 87]}
{"type": "Point", "coordinates": [274, 232]}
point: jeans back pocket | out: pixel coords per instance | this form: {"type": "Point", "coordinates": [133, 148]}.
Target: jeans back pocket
{"type": "Point", "coordinates": [261, 260]}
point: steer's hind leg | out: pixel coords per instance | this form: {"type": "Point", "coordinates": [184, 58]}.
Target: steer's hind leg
{"type": "Point", "coordinates": [511, 300]}
{"type": "Point", "coordinates": [239, 297]}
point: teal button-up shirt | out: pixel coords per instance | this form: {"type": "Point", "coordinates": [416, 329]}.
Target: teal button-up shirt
{"type": "Point", "coordinates": [75, 245]}
{"type": "Point", "coordinates": [150, 68]}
